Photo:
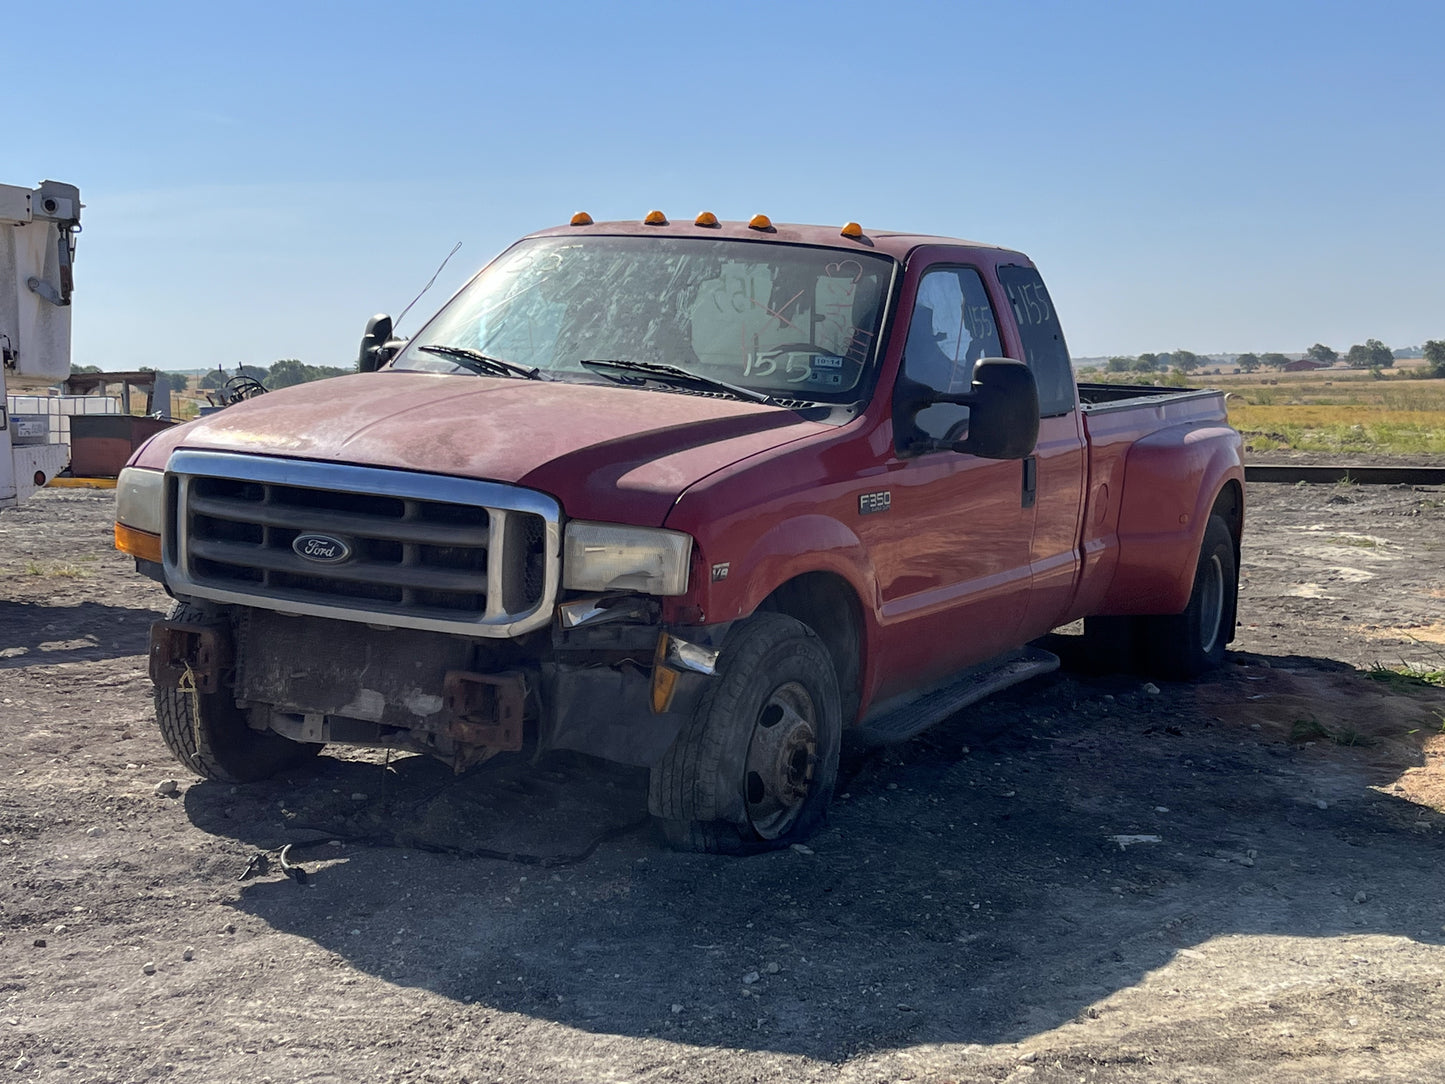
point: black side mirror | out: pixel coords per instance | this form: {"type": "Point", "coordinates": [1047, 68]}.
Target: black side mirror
{"type": "Point", "coordinates": [1004, 421]}
{"type": "Point", "coordinates": [373, 344]}
{"type": "Point", "coordinates": [1003, 409]}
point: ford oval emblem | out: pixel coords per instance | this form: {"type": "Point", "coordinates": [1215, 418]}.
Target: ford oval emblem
{"type": "Point", "coordinates": [323, 548]}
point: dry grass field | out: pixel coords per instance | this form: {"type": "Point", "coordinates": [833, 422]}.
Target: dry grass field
{"type": "Point", "coordinates": [1341, 411]}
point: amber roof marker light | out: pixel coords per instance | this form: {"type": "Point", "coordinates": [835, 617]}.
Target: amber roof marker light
{"type": "Point", "coordinates": [852, 231]}
{"type": "Point", "coordinates": [707, 219]}
{"type": "Point", "coordinates": [655, 218]}
{"type": "Point", "coordinates": [760, 222]}
{"type": "Point", "coordinates": [581, 218]}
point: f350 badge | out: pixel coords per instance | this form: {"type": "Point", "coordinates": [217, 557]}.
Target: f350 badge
{"type": "Point", "coordinates": [869, 503]}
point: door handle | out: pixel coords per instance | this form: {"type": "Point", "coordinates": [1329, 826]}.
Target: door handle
{"type": "Point", "coordinates": [1031, 481]}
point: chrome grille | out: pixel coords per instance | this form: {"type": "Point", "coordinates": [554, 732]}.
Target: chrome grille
{"type": "Point", "coordinates": [423, 551]}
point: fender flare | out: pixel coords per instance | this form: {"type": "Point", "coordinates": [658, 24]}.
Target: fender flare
{"type": "Point", "coordinates": [1172, 480]}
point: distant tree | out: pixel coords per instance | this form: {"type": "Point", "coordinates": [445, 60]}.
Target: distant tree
{"type": "Point", "coordinates": [1120, 364]}
{"type": "Point", "coordinates": [1434, 354]}
{"type": "Point", "coordinates": [1373, 354]}
{"type": "Point", "coordinates": [1323, 354]}
{"type": "Point", "coordinates": [286, 373]}
{"type": "Point", "coordinates": [1273, 360]}
{"type": "Point", "coordinates": [76, 370]}
{"type": "Point", "coordinates": [216, 377]}
{"type": "Point", "coordinates": [1185, 361]}
{"type": "Point", "coordinates": [290, 371]}
{"type": "Point", "coordinates": [1247, 362]}
{"type": "Point", "coordinates": [1146, 363]}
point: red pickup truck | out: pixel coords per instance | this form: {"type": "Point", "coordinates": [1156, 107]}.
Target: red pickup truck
{"type": "Point", "coordinates": [692, 495]}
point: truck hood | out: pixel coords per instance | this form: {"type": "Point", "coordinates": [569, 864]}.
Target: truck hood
{"type": "Point", "coordinates": [609, 453]}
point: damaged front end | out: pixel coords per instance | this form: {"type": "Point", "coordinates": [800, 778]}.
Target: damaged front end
{"type": "Point", "coordinates": [619, 688]}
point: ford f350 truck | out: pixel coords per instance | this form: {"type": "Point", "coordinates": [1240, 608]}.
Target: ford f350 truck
{"type": "Point", "coordinates": [692, 495]}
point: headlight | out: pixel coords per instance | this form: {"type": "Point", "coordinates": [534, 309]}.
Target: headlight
{"type": "Point", "coordinates": [140, 499]}
{"type": "Point", "coordinates": [610, 557]}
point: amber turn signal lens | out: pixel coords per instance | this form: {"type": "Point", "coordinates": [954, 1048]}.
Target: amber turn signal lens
{"type": "Point", "coordinates": [140, 544]}
{"type": "Point", "coordinates": [664, 687]}
{"type": "Point", "coordinates": [655, 218]}
{"type": "Point", "coordinates": [581, 218]}
{"type": "Point", "coordinates": [664, 679]}
{"type": "Point", "coordinates": [760, 222]}
{"type": "Point", "coordinates": [852, 230]}
{"type": "Point", "coordinates": [707, 218]}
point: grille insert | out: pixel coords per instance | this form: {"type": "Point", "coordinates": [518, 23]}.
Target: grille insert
{"type": "Point", "coordinates": [423, 551]}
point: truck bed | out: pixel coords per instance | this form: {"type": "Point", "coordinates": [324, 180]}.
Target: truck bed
{"type": "Point", "coordinates": [1100, 398]}
{"type": "Point", "coordinates": [1174, 445]}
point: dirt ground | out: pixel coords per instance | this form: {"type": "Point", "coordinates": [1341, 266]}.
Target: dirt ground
{"type": "Point", "coordinates": [1086, 879]}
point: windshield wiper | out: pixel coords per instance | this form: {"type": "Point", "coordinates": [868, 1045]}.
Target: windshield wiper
{"type": "Point", "coordinates": [677, 377]}
{"type": "Point", "coordinates": [483, 364]}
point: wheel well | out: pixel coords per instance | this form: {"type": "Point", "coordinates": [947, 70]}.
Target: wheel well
{"type": "Point", "coordinates": [827, 604]}
{"type": "Point", "coordinates": [1229, 506]}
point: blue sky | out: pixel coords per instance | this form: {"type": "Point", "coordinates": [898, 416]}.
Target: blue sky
{"type": "Point", "coordinates": [259, 179]}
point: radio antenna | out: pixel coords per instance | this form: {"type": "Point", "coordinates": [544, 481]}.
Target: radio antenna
{"type": "Point", "coordinates": [427, 287]}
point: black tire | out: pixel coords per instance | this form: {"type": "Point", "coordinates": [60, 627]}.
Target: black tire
{"type": "Point", "coordinates": [1110, 645]}
{"type": "Point", "coordinates": [754, 768]}
{"type": "Point", "coordinates": [1187, 644]}
{"type": "Point", "coordinates": [208, 734]}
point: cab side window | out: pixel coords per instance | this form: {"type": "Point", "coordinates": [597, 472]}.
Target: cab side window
{"type": "Point", "coordinates": [952, 325]}
{"type": "Point", "coordinates": [951, 328]}
{"type": "Point", "coordinates": [1044, 349]}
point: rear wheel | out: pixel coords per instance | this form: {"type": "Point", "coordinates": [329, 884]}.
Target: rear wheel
{"type": "Point", "coordinates": [1187, 644]}
{"type": "Point", "coordinates": [208, 734]}
{"type": "Point", "coordinates": [754, 769]}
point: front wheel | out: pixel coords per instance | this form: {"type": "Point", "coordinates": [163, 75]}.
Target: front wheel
{"type": "Point", "coordinates": [1185, 645]}
{"type": "Point", "coordinates": [754, 768]}
{"type": "Point", "coordinates": [208, 734]}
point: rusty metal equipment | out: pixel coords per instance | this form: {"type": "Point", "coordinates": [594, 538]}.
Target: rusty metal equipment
{"type": "Point", "coordinates": [178, 648]}
{"type": "Point", "coordinates": [485, 709]}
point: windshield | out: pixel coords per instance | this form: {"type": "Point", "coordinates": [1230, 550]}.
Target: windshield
{"type": "Point", "coordinates": [788, 321]}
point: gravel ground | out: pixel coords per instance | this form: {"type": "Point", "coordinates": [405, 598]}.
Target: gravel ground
{"type": "Point", "coordinates": [1088, 878]}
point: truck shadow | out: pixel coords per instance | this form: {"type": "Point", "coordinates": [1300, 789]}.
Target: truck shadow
{"type": "Point", "coordinates": [36, 634]}
{"type": "Point", "coordinates": [990, 881]}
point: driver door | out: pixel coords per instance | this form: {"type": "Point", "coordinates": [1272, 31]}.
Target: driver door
{"type": "Point", "coordinates": [953, 553]}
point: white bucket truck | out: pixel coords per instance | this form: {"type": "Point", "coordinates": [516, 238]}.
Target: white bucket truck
{"type": "Point", "coordinates": [38, 227]}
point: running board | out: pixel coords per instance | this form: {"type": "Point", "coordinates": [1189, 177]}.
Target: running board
{"type": "Point", "coordinates": [971, 686]}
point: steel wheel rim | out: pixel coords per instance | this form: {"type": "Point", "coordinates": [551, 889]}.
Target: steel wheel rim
{"type": "Point", "coordinates": [1211, 603]}
{"type": "Point", "coordinates": [782, 756]}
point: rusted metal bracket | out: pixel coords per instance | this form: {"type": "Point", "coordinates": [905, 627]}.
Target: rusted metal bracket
{"type": "Point", "coordinates": [485, 709]}
{"type": "Point", "coordinates": [178, 647]}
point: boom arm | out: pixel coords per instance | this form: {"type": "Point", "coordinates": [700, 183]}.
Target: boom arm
{"type": "Point", "coordinates": [37, 248]}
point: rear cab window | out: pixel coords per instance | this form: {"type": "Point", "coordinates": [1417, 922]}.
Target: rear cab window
{"type": "Point", "coordinates": [1044, 349]}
